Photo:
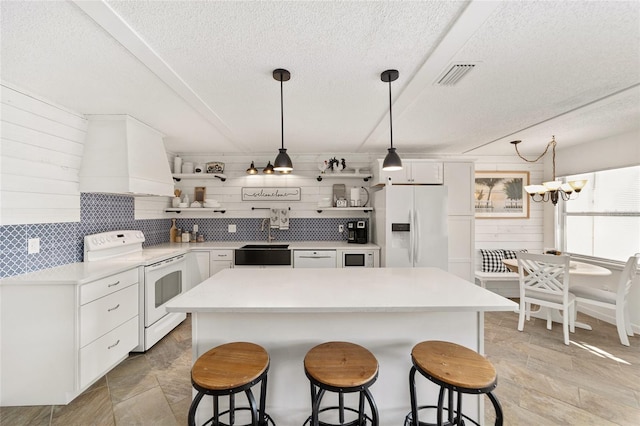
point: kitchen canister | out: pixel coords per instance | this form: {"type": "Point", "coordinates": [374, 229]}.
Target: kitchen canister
{"type": "Point", "coordinates": [187, 167]}
{"type": "Point", "coordinates": [177, 164]}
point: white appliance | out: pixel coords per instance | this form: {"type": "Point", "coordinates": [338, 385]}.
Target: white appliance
{"type": "Point", "coordinates": [314, 258]}
{"type": "Point", "coordinates": [163, 276]}
{"type": "Point", "coordinates": [356, 258]}
{"type": "Point", "coordinates": [411, 226]}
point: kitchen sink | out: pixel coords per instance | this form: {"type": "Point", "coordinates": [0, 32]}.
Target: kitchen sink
{"type": "Point", "coordinates": [265, 246]}
{"type": "Point", "coordinates": [263, 255]}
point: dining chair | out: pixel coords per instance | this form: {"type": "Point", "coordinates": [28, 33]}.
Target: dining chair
{"type": "Point", "coordinates": [544, 281]}
{"type": "Point", "coordinates": [613, 299]}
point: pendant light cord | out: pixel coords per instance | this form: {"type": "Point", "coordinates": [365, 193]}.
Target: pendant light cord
{"type": "Point", "coordinates": [281, 113]}
{"type": "Point", "coordinates": [390, 115]}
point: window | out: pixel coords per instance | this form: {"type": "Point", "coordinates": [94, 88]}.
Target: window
{"type": "Point", "coordinates": [604, 220]}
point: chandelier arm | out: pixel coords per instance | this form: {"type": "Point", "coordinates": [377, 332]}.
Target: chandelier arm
{"type": "Point", "coordinates": [539, 157]}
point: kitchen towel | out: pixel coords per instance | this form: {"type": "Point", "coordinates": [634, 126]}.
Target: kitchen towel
{"type": "Point", "coordinates": [274, 217]}
{"type": "Point", "coordinates": [284, 218]}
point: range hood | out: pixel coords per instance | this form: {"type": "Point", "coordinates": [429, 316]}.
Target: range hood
{"type": "Point", "coordinates": [124, 156]}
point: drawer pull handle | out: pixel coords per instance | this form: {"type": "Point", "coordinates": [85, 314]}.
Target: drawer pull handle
{"type": "Point", "coordinates": [114, 345]}
{"type": "Point", "coordinates": [114, 308]}
{"type": "Point", "coordinates": [114, 284]}
{"type": "Point", "coordinates": [222, 255]}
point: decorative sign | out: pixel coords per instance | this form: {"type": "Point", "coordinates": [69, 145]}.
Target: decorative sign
{"type": "Point", "coordinates": [501, 195]}
{"type": "Point", "coordinates": [270, 194]}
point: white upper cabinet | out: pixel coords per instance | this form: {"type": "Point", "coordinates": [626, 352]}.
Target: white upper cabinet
{"type": "Point", "coordinates": [414, 172]}
{"type": "Point", "coordinates": [458, 177]}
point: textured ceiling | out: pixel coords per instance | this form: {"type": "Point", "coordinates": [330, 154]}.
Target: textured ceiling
{"type": "Point", "coordinates": [200, 71]}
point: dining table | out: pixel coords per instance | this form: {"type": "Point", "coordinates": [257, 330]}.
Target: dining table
{"type": "Point", "coordinates": [576, 268]}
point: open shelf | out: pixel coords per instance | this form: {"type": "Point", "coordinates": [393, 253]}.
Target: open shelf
{"type": "Point", "coordinates": [193, 209]}
{"type": "Point", "coordinates": [178, 176]}
{"type": "Point", "coordinates": [363, 176]}
{"type": "Point", "coordinates": [360, 209]}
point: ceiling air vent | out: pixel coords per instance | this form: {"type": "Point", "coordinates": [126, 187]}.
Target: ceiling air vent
{"type": "Point", "coordinates": [453, 75]}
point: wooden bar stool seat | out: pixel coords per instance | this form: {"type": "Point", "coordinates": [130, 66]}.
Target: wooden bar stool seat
{"type": "Point", "coordinates": [457, 370]}
{"type": "Point", "coordinates": [341, 367]}
{"type": "Point", "coordinates": [226, 370]}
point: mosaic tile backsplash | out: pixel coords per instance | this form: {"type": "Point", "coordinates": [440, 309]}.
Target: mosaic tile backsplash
{"type": "Point", "coordinates": [62, 243]}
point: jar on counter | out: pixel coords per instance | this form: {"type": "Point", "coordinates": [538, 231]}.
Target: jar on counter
{"type": "Point", "coordinates": [186, 236]}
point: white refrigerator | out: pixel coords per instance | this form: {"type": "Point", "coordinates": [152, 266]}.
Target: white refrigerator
{"type": "Point", "coordinates": [410, 226]}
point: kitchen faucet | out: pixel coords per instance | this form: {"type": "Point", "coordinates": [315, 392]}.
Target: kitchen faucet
{"type": "Point", "coordinates": [267, 222]}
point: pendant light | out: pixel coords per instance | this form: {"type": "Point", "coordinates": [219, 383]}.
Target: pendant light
{"type": "Point", "coordinates": [392, 161]}
{"type": "Point", "coordinates": [268, 170]}
{"type": "Point", "coordinates": [252, 170]}
{"type": "Point", "coordinates": [282, 163]}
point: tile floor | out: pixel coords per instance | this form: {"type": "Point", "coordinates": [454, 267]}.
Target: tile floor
{"type": "Point", "coordinates": [594, 381]}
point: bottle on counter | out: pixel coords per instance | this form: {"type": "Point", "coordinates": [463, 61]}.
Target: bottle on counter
{"type": "Point", "coordinates": [186, 236]}
{"type": "Point", "coordinates": [194, 234]}
{"type": "Point", "coordinates": [173, 231]}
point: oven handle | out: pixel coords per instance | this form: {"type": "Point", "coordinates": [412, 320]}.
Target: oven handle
{"type": "Point", "coordinates": [164, 263]}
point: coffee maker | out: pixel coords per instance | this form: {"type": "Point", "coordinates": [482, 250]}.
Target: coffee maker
{"type": "Point", "coordinates": [357, 232]}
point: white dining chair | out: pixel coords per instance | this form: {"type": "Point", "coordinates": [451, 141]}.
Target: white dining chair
{"type": "Point", "coordinates": [544, 281]}
{"type": "Point", "coordinates": [613, 299]}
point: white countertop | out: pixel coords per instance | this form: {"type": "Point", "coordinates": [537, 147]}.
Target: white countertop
{"type": "Point", "coordinates": [337, 290]}
{"type": "Point", "coordinates": [83, 272]}
{"type": "Point", "coordinates": [70, 274]}
{"type": "Point", "coordinates": [293, 245]}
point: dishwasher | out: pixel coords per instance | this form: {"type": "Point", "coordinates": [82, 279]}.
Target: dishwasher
{"type": "Point", "coordinates": [314, 259]}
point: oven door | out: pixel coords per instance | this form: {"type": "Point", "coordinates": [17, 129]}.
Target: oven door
{"type": "Point", "coordinates": [163, 281]}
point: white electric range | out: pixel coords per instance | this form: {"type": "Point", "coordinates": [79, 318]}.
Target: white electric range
{"type": "Point", "coordinates": [162, 276]}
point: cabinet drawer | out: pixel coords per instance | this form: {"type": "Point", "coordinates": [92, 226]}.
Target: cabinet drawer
{"type": "Point", "coordinates": [104, 286]}
{"type": "Point", "coordinates": [102, 355]}
{"type": "Point", "coordinates": [103, 315]}
{"type": "Point", "coordinates": [221, 255]}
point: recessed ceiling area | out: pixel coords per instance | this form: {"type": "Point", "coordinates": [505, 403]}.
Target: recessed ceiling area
{"type": "Point", "coordinates": [201, 71]}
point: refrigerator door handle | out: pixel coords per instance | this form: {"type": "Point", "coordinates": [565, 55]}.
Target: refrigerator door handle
{"type": "Point", "coordinates": [417, 238]}
{"type": "Point", "coordinates": [411, 237]}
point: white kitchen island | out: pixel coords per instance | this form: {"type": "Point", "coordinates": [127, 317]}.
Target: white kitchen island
{"type": "Point", "coordinates": [387, 310]}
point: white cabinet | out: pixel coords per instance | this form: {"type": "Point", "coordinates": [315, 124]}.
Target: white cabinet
{"type": "Point", "coordinates": [414, 172]}
{"type": "Point", "coordinates": [219, 260]}
{"type": "Point", "coordinates": [459, 179]}
{"type": "Point", "coordinates": [58, 337]}
{"type": "Point", "coordinates": [205, 263]}
{"type": "Point", "coordinates": [314, 259]}
{"type": "Point", "coordinates": [198, 267]}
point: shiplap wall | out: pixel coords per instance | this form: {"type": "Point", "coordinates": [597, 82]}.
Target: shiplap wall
{"type": "Point", "coordinates": [41, 152]}
{"type": "Point", "coordinates": [228, 193]}
{"type": "Point", "coordinates": [511, 233]}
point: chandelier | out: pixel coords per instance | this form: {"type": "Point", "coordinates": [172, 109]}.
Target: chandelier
{"type": "Point", "coordinates": [554, 189]}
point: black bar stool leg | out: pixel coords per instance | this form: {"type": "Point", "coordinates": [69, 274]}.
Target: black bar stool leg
{"type": "Point", "coordinates": [440, 404]}
{"type": "Point", "coordinates": [253, 407]}
{"type": "Point", "coordinates": [497, 407]}
{"type": "Point", "coordinates": [192, 410]}
{"type": "Point", "coordinates": [374, 408]}
{"type": "Point", "coordinates": [412, 391]}
{"type": "Point", "coordinates": [263, 402]}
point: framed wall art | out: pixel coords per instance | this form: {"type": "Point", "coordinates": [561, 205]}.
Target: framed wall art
{"type": "Point", "coordinates": [501, 195]}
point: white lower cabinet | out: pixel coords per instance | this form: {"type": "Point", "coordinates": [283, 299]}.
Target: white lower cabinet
{"type": "Point", "coordinates": [59, 337]}
{"type": "Point", "coordinates": [104, 353]}
{"type": "Point", "coordinates": [198, 267]}
{"type": "Point", "coordinates": [219, 260]}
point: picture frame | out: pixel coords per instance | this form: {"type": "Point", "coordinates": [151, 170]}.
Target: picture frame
{"type": "Point", "coordinates": [501, 195]}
